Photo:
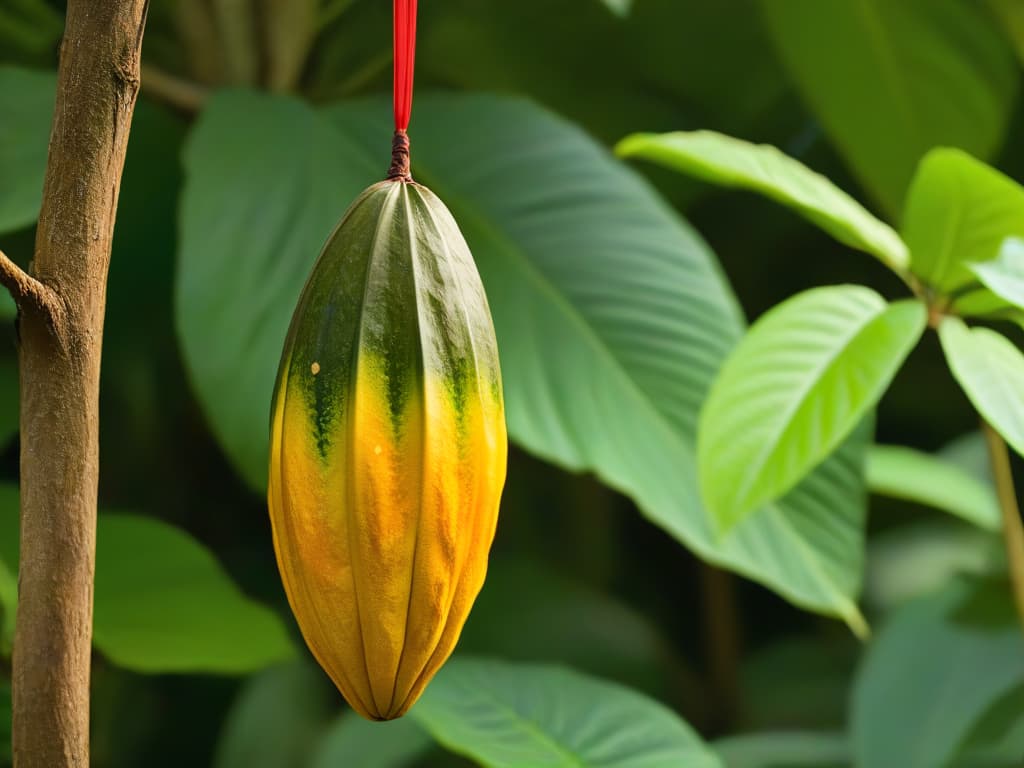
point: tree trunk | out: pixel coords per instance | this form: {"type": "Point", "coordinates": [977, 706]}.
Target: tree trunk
{"type": "Point", "coordinates": [61, 326]}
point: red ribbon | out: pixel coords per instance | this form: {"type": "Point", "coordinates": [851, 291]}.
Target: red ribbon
{"type": "Point", "coordinates": [405, 58]}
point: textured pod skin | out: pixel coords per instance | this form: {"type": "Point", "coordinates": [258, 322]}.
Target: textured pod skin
{"type": "Point", "coordinates": [388, 448]}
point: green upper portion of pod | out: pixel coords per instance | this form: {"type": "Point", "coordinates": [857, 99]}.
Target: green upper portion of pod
{"type": "Point", "coordinates": [395, 287]}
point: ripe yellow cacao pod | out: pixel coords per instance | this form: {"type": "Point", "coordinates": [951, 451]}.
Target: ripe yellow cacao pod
{"type": "Point", "coordinates": [388, 447]}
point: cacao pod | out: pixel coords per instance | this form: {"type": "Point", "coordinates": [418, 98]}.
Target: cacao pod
{"type": "Point", "coordinates": [388, 447]}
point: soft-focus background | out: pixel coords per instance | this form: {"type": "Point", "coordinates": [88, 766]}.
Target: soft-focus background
{"type": "Point", "coordinates": [260, 120]}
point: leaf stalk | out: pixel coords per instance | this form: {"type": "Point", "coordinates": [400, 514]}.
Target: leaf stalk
{"type": "Point", "coordinates": [1013, 528]}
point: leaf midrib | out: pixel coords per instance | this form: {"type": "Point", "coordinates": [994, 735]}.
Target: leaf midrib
{"type": "Point", "coordinates": [522, 723]}
{"type": "Point", "coordinates": [811, 382]}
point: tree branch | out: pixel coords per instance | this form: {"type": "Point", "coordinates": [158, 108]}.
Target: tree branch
{"type": "Point", "coordinates": [176, 91]}
{"type": "Point", "coordinates": [28, 292]}
{"type": "Point", "coordinates": [97, 83]}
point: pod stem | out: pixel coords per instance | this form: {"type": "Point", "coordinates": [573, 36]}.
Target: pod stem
{"type": "Point", "coordinates": [399, 170]}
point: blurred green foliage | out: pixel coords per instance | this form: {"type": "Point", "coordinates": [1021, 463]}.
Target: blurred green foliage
{"type": "Point", "coordinates": [614, 316]}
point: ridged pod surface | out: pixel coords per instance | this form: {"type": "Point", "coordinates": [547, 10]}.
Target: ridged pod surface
{"type": "Point", "coordinates": [388, 447]}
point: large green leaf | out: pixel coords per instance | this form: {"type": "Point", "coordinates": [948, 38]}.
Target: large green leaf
{"type": "Point", "coordinates": [890, 80]}
{"type": "Point", "coordinates": [1004, 275]}
{"type": "Point", "coordinates": [164, 604]}
{"type": "Point", "coordinates": [785, 750]}
{"type": "Point", "coordinates": [913, 708]}
{"type": "Point", "coordinates": [905, 473]}
{"type": "Point", "coordinates": [762, 168]}
{"type": "Point", "coordinates": [612, 316]}
{"type": "Point", "coordinates": [277, 718]}
{"type": "Point", "coordinates": [519, 716]}
{"type": "Point", "coordinates": [794, 389]}
{"type": "Point", "coordinates": [959, 210]}
{"type": "Point", "coordinates": [162, 601]}
{"type": "Point", "coordinates": [354, 741]}
{"type": "Point", "coordinates": [991, 371]}
{"type": "Point", "coordinates": [26, 103]}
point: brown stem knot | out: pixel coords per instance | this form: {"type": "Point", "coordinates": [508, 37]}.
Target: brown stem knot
{"type": "Point", "coordinates": [399, 170]}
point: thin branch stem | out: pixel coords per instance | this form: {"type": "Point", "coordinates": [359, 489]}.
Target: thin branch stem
{"type": "Point", "coordinates": [288, 31]}
{"type": "Point", "coordinates": [26, 290]}
{"type": "Point", "coordinates": [176, 91]}
{"type": "Point", "coordinates": [722, 643]}
{"type": "Point", "coordinates": [197, 29]}
{"type": "Point", "coordinates": [1013, 529]}
{"type": "Point", "coordinates": [237, 26]}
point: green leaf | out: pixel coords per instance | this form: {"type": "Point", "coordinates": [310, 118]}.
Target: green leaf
{"type": "Point", "coordinates": [164, 604]}
{"type": "Point", "coordinates": [276, 719]}
{"type": "Point", "coordinates": [784, 750]}
{"type": "Point", "coordinates": [998, 739]}
{"type": "Point", "coordinates": [990, 369]}
{"type": "Point", "coordinates": [590, 276]}
{"type": "Point", "coordinates": [909, 561]}
{"type": "Point", "coordinates": [913, 708]}
{"type": "Point", "coordinates": [520, 716]}
{"type": "Point", "coordinates": [1004, 275]}
{"type": "Point", "coordinates": [26, 102]}
{"type": "Point", "coordinates": [358, 742]}
{"type": "Point", "coordinates": [905, 473]}
{"type": "Point", "coordinates": [969, 452]}
{"type": "Point", "coordinates": [959, 210]}
{"type": "Point", "coordinates": [762, 168]}
{"type": "Point", "coordinates": [162, 601]}
{"type": "Point", "coordinates": [8, 309]}
{"type": "Point", "coordinates": [620, 8]}
{"type": "Point", "coordinates": [890, 80]}
{"type": "Point", "coordinates": [815, 699]}
{"type": "Point", "coordinates": [794, 389]}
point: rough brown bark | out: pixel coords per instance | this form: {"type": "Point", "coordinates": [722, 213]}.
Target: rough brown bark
{"type": "Point", "coordinates": [61, 327]}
